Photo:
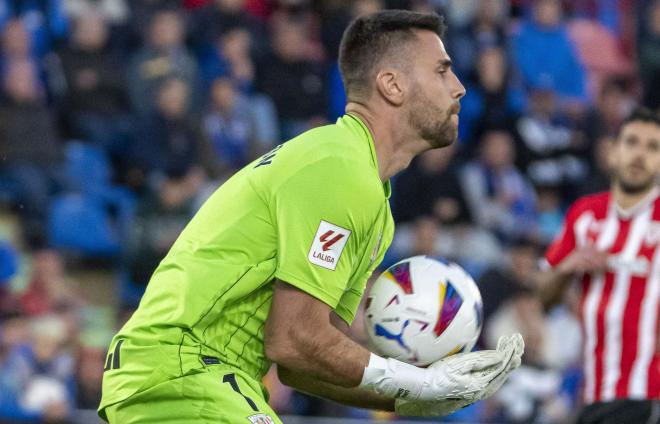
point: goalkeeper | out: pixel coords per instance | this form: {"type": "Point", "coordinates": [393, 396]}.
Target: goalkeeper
{"type": "Point", "coordinates": [273, 266]}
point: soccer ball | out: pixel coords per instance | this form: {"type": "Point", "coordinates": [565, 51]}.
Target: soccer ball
{"type": "Point", "coordinates": [423, 309]}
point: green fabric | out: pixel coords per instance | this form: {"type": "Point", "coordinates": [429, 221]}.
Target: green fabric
{"type": "Point", "coordinates": [212, 293]}
{"type": "Point", "coordinates": [204, 397]}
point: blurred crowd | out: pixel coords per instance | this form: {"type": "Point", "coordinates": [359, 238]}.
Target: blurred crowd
{"type": "Point", "coordinates": [118, 118]}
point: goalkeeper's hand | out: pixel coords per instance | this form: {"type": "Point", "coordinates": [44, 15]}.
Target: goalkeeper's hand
{"type": "Point", "coordinates": [512, 348]}
{"type": "Point", "coordinates": [462, 376]}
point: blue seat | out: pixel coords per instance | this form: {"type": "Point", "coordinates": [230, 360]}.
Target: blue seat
{"type": "Point", "coordinates": [80, 224]}
{"type": "Point", "coordinates": [92, 216]}
{"type": "Point", "coordinates": [86, 167]}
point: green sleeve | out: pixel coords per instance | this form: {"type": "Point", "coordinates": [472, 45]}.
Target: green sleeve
{"type": "Point", "coordinates": [321, 214]}
{"type": "Point", "coordinates": [348, 305]}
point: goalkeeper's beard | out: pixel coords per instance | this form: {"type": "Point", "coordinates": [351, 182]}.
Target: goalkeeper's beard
{"type": "Point", "coordinates": [437, 126]}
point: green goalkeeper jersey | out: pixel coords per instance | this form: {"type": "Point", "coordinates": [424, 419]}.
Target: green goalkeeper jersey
{"type": "Point", "coordinates": [313, 212]}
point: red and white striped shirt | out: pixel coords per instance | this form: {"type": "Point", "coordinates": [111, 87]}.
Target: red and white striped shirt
{"type": "Point", "coordinates": [619, 308]}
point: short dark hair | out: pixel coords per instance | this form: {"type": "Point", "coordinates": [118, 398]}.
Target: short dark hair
{"type": "Point", "coordinates": [370, 38]}
{"type": "Point", "coordinates": [644, 115]}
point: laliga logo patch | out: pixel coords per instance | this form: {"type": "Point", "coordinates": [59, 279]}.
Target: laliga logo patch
{"type": "Point", "coordinates": [328, 244]}
{"type": "Point", "coordinates": [261, 419]}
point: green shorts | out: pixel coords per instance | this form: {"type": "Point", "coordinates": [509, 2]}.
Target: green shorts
{"type": "Point", "coordinates": [216, 394]}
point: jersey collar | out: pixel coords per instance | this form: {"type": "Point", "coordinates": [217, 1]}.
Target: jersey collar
{"type": "Point", "coordinates": [387, 188]}
{"type": "Point", "coordinates": [639, 206]}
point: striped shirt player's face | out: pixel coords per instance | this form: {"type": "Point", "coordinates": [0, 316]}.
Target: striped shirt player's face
{"type": "Point", "coordinates": [635, 157]}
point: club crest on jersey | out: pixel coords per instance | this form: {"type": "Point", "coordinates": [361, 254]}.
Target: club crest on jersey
{"type": "Point", "coordinates": [328, 245]}
{"type": "Point", "coordinates": [261, 419]}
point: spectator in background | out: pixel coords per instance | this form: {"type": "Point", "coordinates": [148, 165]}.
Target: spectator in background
{"type": "Point", "coordinates": [16, 42]}
{"type": "Point", "coordinates": [551, 153]}
{"type": "Point", "coordinates": [365, 7]}
{"type": "Point", "coordinates": [45, 21]}
{"type": "Point", "coordinates": [230, 56]}
{"type": "Point", "coordinates": [648, 53]}
{"type": "Point", "coordinates": [484, 30]}
{"type": "Point", "coordinates": [522, 312]}
{"type": "Point", "coordinates": [13, 333]}
{"type": "Point", "coordinates": [545, 55]}
{"type": "Point", "coordinates": [509, 277]}
{"type": "Point", "coordinates": [419, 237]}
{"type": "Point", "coordinates": [599, 50]}
{"type": "Point", "coordinates": [29, 148]}
{"type": "Point", "coordinates": [499, 196]}
{"type": "Point", "coordinates": [608, 13]}
{"type": "Point", "coordinates": [563, 349]}
{"type": "Point", "coordinates": [229, 127]}
{"type": "Point", "coordinates": [301, 14]}
{"type": "Point", "coordinates": [169, 138]}
{"type": "Point", "coordinates": [35, 372]}
{"type": "Point", "coordinates": [43, 370]}
{"type": "Point", "coordinates": [114, 12]}
{"type": "Point", "coordinates": [294, 82]}
{"type": "Point", "coordinates": [163, 56]}
{"type": "Point", "coordinates": [17, 47]}
{"type": "Point", "coordinates": [261, 9]}
{"type": "Point", "coordinates": [550, 211]}
{"type": "Point", "coordinates": [425, 236]}
{"type": "Point", "coordinates": [93, 98]}
{"type": "Point", "coordinates": [48, 290]}
{"type": "Point", "coordinates": [90, 362]}
{"type": "Point", "coordinates": [430, 187]}
{"type": "Point", "coordinates": [599, 177]}
{"type": "Point", "coordinates": [331, 36]}
{"type": "Point", "coordinates": [141, 13]}
{"type": "Point", "coordinates": [335, 15]}
{"type": "Point", "coordinates": [162, 214]}
{"type": "Point", "coordinates": [612, 106]}
{"type": "Point", "coordinates": [535, 394]}
{"type": "Point", "coordinates": [213, 19]}
{"type": "Point", "coordinates": [510, 304]}
{"type": "Point", "coordinates": [491, 100]}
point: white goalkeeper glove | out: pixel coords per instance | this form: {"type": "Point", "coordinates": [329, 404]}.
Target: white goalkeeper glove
{"type": "Point", "coordinates": [513, 347]}
{"type": "Point", "coordinates": [462, 376]}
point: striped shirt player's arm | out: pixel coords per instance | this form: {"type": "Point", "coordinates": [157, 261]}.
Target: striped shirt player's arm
{"type": "Point", "coordinates": [553, 281]}
{"type": "Point", "coordinates": [565, 242]}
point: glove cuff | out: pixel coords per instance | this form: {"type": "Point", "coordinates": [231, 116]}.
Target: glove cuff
{"type": "Point", "coordinates": [392, 378]}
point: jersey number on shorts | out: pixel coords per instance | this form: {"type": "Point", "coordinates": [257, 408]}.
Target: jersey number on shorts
{"type": "Point", "coordinates": [231, 379]}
